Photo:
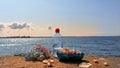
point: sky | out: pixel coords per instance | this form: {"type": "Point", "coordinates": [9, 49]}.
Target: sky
{"type": "Point", "coordinates": [73, 17]}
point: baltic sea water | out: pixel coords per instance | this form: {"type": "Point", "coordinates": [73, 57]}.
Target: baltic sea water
{"type": "Point", "coordinates": [106, 46]}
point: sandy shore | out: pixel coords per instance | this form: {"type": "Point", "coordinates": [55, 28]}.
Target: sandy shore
{"type": "Point", "coordinates": [19, 62]}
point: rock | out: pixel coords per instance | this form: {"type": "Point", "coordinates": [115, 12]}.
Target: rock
{"type": "Point", "coordinates": [21, 54]}
{"type": "Point", "coordinates": [41, 58]}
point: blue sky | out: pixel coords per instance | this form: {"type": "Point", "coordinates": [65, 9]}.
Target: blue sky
{"type": "Point", "coordinates": [74, 17]}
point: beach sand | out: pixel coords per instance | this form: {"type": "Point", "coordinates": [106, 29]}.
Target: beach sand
{"type": "Point", "coordinates": [19, 62]}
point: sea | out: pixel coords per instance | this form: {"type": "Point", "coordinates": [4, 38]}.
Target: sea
{"type": "Point", "coordinates": [105, 46]}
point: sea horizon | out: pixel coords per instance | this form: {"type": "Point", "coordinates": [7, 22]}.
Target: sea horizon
{"type": "Point", "coordinates": [53, 36]}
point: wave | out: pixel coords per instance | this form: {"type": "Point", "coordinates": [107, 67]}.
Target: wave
{"type": "Point", "coordinates": [10, 44]}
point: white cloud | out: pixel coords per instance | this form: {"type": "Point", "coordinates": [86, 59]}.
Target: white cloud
{"type": "Point", "coordinates": [18, 25]}
{"type": "Point", "coordinates": [13, 25]}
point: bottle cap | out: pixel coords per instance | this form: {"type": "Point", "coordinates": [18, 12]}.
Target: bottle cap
{"type": "Point", "coordinates": [57, 30]}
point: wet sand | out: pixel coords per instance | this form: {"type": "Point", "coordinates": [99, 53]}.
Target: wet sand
{"type": "Point", "coordinates": [19, 62]}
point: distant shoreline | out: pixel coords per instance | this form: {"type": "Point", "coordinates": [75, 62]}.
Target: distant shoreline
{"type": "Point", "coordinates": [52, 36]}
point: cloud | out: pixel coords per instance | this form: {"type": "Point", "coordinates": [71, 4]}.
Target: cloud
{"type": "Point", "coordinates": [17, 25]}
{"type": "Point", "coordinates": [1, 27]}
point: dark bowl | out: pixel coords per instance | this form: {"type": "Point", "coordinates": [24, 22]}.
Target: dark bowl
{"type": "Point", "coordinates": [70, 57]}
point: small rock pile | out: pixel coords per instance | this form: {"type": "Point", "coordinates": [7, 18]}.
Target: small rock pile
{"type": "Point", "coordinates": [38, 53]}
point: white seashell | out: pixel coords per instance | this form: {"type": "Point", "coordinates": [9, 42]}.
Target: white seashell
{"type": "Point", "coordinates": [106, 63]}
{"type": "Point", "coordinates": [95, 60]}
{"type": "Point", "coordinates": [86, 65]}
{"type": "Point", "coordinates": [51, 60]}
{"type": "Point", "coordinates": [45, 61]}
{"type": "Point", "coordinates": [101, 58]}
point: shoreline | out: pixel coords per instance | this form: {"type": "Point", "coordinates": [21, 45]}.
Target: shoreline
{"type": "Point", "coordinates": [19, 62]}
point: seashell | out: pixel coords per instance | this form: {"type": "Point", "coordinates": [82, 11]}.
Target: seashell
{"type": "Point", "coordinates": [49, 64]}
{"type": "Point", "coordinates": [34, 48]}
{"type": "Point", "coordinates": [70, 52]}
{"type": "Point", "coordinates": [45, 61]}
{"type": "Point", "coordinates": [106, 64]}
{"type": "Point", "coordinates": [95, 60]}
{"type": "Point", "coordinates": [65, 50]}
{"type": "Point", "coordinates": [80, 52]}
{"type": "Point", "coordinates": [52, 61]}
{"type": "Point", "coordinates": [84, 65]}
{"type": "Point", "coordinates": [74, 51]}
